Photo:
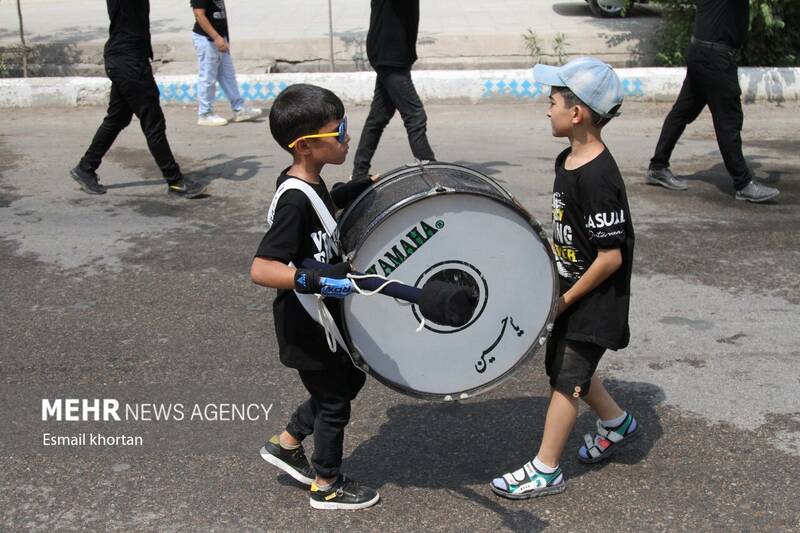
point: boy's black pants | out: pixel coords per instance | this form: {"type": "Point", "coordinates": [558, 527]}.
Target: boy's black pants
{"type": "Point", "coordinates": [394, 91]}
{"type": "Point", "coordinates": [133, 92]}
{"type": "Point", "coordinates": [711, 79]}
{"type": "Point", "coordinates": [326, 413]}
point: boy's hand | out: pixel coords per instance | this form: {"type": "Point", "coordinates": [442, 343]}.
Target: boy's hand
{"type": "Point", "coordinates": [221, 44]}
{"type": "Point", "coordinates": [374, 178]}
{"type": "Point", "coordinates": [335, 284]}
{"type": "Point", "coordinates": [561, 306]}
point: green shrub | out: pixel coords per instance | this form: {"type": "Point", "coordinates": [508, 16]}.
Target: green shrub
{"type": "Point", "coordinates": [773, 39]}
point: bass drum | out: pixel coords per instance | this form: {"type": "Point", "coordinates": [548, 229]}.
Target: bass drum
{"type": "Point", "coordinates": [445, 222]}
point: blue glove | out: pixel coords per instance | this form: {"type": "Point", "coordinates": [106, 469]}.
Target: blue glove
{"type": "Point", "coordinates": [309, 281]}
{"type": "Point", "coordinates": [335, 288]}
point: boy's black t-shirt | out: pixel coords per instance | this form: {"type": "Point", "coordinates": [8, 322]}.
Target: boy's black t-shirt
{"type": "Point", "coordinates": [590, 212]}
{"type": "Point", "coordinates": [215, 13]}
{"type": "Point", "coordinates": [129, 30]}
{"type": "Point", "coordinates": [722, 21]}
{"type": "Point", "coordinates": [296, 234]}
{"type": "Point", "coordinates": [392, 35]}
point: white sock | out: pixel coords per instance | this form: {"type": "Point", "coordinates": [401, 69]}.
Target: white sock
{"type": "Point", "coordinates": [541, 467]}
{"type": "Point", "coordinates": [614, 422]}
{"type": "Point", "coordinates": [326, 487]}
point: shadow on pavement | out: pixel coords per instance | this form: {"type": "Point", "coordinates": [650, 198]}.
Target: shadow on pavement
{"type": "Point", "coordinates": [234, 169]}
{"type": "Point", "coordinates": [457, 445]}
{"type": "Point", "coordinates": [229, 168]}
{"type": "Point", "coordinates": [718, 176]}
{"type": "Point", "coordinates": [488, 168]}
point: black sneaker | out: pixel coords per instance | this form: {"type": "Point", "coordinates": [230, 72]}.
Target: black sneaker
{"type": "Point", "coordinates": [186, 188]}
{"type": "Point", "coordinates": [756, 192]}
{"type": "Point", "coordinates": [87, 181]}
{"type": "Point", "coordinates": [344, 494]}
{"type": "Point", "coordinates": [665, 178]}
{"type": "Point", "coordinates": [293, 462]}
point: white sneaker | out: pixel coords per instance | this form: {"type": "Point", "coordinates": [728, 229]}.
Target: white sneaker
{"type": "Point", "coordinates": [211, 120]}
{"type": "Point", "coordinates": [246, 113]}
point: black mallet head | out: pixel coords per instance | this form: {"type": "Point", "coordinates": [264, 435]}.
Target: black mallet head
{"type": "Point", "coordinates": [447, 304]}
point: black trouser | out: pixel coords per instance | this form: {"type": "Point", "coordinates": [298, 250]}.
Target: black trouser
{"type": "Point", "coordinates": [133, 92]}
{"type": "Point", "coordinates": [326, 413]}
{"type": "Point", "coordinates": [394, 90]}
{"type": "Point", "coordinates": [711, 79]}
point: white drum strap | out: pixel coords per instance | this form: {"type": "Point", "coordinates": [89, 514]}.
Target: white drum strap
{"type": "Point", "coordinates": [312, 303]}
{"type": "Point", "coordinates": [328, 223]}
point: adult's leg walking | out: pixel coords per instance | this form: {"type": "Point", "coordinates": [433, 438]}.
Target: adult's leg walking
{"type": "Point", "coordinates": [227, 79]}
{"type": "Point", "coordinates": [404, 96]}
{"type": "Point", "coordinates": [117, 118]}
{"type": "Point", "coordinates": [380, 113]}
{"type": "Point", "coordinates": [141, 93]}
{"type": "Point", "coordinates": [208, 66]}
{"type": "Point", "coordinates": [686, 109]}
{"type": "Point", "coordinates": [724, 101]}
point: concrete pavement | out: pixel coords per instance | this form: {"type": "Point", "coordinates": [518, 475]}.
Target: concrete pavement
{"type": "Point", "coordinates": [133, 293]}
{"type": "Point", "coordinates": [287, 36]}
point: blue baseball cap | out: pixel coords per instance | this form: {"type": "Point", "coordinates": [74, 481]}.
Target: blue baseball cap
{"type": "Point", "coordinates": [595, 83]}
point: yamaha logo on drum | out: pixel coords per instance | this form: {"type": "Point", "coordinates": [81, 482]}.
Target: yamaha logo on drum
{"type": "Point", "coordinates": [400, 251]}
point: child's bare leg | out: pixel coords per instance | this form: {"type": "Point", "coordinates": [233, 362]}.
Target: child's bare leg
{"type": "Point", "coordinates": [287, 440]}
{"type": "Point", "coordinates": [561, 415]}
{"type": "Point", "coordinates": [601, 401]}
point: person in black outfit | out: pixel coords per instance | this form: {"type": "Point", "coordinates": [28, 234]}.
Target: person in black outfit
{"type": "Point", "coordinates": [391, 49]}
{"type": "Point", "coordinates": [712, 79]}
{"type": "Point", "coordinates": [309, 122]}
{"type": "Point", "coordinates": [127, 57]}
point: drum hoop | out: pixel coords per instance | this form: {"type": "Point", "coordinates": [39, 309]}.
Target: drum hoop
{"type": "Point", "coordinates": [508, 201]}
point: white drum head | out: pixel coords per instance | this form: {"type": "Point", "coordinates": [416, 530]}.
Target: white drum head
{"type": "Point", "coordinates": [481, 241]}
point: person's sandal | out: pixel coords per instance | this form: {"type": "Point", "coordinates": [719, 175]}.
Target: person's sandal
{"type": "Point", "coordinates": [605, 442]}
{"type": "Point", "coordinates": [528, 482]}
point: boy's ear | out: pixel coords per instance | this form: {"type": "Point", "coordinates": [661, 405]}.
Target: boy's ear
{"type": "Point", "coordinates": [581, 114]}
{"type": "Point", "coordinates": [577, 114]}
{"type": "Point", "coordinates": [302, 147]}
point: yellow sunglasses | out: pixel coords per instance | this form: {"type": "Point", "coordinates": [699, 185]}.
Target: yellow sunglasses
{"type": "Point", "coordinates": [340, 134]}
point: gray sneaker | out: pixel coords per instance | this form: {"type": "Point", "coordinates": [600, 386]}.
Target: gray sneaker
{"type": "Point", "coordinates": [756, 192]}
{"type": "Point", "coordinates": [665, 178]}
{"type": "Point", "coordinates": [246, 113]}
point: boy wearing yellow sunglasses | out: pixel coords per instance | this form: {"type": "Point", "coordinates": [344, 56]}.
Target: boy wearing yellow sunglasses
{"type": "Point", "coordinates": [309, 123]}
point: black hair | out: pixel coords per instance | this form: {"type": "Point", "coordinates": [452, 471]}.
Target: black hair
{"type": "Point", "coordinates": [570, 99]}
{"type": "Point", "coordinates": [302, 109]}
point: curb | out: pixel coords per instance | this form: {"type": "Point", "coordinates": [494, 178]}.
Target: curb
{"type": "Point", "coordinates": [434, 86]}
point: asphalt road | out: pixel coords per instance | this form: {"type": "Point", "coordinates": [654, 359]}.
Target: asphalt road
{"type": "Point", "coordinates": [135, 295]}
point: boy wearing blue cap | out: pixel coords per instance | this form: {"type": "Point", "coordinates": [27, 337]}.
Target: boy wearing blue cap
{"type": "Point", "coordinates": [593, 243]}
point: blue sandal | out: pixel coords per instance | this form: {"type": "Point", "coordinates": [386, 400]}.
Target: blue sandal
{"type": "Point", "coordinates": [605, 442]}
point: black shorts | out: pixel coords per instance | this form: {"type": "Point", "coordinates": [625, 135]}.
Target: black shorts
{"type": "Point", "coordinates": [570, 365]}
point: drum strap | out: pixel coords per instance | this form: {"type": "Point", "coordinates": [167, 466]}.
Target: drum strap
{"type": "Point", "coordinates": [328, 222]}
{"type": "Point", "coordinates": [312, 303]}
